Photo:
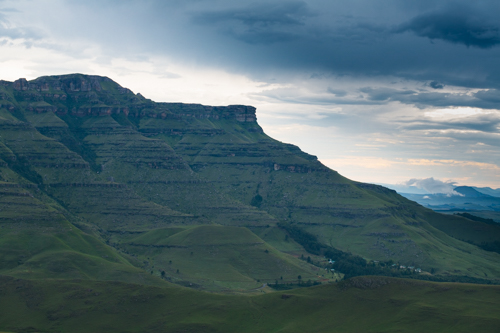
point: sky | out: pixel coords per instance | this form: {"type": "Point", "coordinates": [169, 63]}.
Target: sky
{"type": "Point", "coordinates": [393, 92]}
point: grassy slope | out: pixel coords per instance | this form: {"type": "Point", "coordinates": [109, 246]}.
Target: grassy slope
{"type": "Point", "coordinates": [37, 241]}
{"type": "Point", "coordinates": [365, 304]}
{"type": "Point", "coordinates": [216, 258]}
{"type": "Point", "coordinates": [36, 238]}
{"type": "Point", "coordinates": [466, 229]}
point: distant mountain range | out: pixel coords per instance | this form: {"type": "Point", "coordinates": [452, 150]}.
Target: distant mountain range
{"type": "Point", "coordinates": [483, 202]}
{"type": "Point", "coordinates": [488, 190]}
{"type": "Point", "coordinates": [404, 189]}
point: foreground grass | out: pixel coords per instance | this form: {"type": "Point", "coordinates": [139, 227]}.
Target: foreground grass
{"type": "Point", "coordinates": [364, 304]}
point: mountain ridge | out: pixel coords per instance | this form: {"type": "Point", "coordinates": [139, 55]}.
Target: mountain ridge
{"type": "Point", "coordinates": [125, 166]}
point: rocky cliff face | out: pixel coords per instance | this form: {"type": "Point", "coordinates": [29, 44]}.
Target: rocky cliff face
{"type": "Point", "coordinates": [87, 97]}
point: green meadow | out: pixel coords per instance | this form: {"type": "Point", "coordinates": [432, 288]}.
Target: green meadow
{"type": "Point", "coordinates": [364, 304]}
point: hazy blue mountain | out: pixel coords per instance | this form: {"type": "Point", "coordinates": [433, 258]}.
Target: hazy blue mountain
{"type": "Point", "coordinates": [467, 198]}
{"type": "Point", "coordinates": [488, 190]}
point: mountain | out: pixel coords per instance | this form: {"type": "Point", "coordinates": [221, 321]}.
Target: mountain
{"type": "Point", "coordinates": [467, 198]}
{"type": "Point", "coordinates": [99, 183]}
{"type": "Point", "coordinates": [488, 191]}
{"type": "Point", "coordinates": [470, 192]}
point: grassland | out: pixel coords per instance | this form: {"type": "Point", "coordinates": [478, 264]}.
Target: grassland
{"type": "Point", "coordinates": [365, 304]}
{"type": "Point", "coordinates": [216, 258]}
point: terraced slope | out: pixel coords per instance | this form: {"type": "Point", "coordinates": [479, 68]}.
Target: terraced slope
{"type": "Point", "coordinates": [127, 170]}
{"type": "Point", "coordinates": [38, 241]}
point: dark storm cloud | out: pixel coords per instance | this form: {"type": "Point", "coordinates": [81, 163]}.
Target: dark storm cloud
{"type": "Point", "coordinates": [259, 39]}
{"type": "Point", "coordinates": [354, 38]}
{"type": "Point", "coordinates": [489, 96]}
{"type": "Point", "coordinates": [263, 14]}
{"type": "Point", "coordinates": [436, 85]}
{"type": "Point", "coordinates": [262, 23]}
{"type": "Point", "coordinates": [274, 40]}
{"type": "Point", "coordinates": [458, 26]}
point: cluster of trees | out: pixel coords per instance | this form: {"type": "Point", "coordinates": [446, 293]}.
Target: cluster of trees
{"type": "Point", "coordinates": [307, 240]}
{"type": "Point", "coordinates": [256, 201]}
{"type": "Point", "coordinates": [477, 218]}
{"type": "Point", "coordinates": [351, 265]}
{"type": "Point", "coordinates": [348, 264]}
{"type": "Point", "coordinates": [285, 286]}
{"type": "Point", "coordinates": [491, 246]}
{"type": "Point", "coordinates": [21, 166]}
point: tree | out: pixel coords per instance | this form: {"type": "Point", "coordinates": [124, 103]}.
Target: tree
{"type": "Point", "coordinates": [162, 274]}
{"type": "Point", "coordinates": [256, 201]}
{"type": "Point", "coordinates": [299, 278]}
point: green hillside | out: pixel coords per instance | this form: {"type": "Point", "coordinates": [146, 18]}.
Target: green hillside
{"type": "Point", "coordinates": [99, 183]}
{"type": "Point", "coordinates": [364, 304]}
{"type": "Point", "coordinates": [216, 258]}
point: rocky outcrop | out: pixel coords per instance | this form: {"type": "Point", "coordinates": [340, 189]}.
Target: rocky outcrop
{"type": "Point", "coordinates": [64, 92]}
{"type": "Point", "coordinates": [240, 113]}
{"type": "Point", "coordinates": [21, 84]}
{"type": "Point", "coordinates": [98, 111]}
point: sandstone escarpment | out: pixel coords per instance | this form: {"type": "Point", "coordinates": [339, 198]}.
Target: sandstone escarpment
{"type": "Point", "coordinates": [87, 95]}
